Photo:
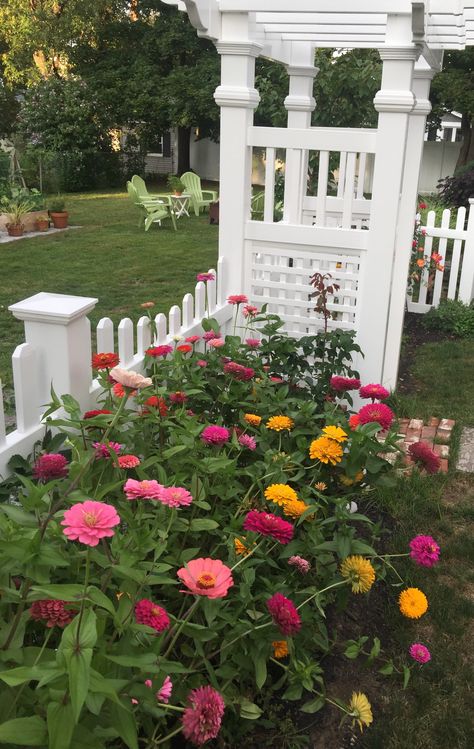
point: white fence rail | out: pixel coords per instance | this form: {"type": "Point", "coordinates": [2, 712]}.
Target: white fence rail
{"type": "Point", "coordinates": [453, 239]}
{"type": "Point", "coordinates": [58, 348]}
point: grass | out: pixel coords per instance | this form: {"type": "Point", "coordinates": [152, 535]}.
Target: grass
{"type": "Point", "coordinates": [108, 258]}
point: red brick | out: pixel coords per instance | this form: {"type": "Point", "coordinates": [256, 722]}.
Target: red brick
{"type": "Point", "coordinates": [402, 429]}
{"type": "Point", "coordinates": [428, 433]}
{"type": "Point", "coordinates": [403, 422]}
{"type": "Point", "coordinates": [443, 435]}
{"type": "Point", "coordinates": [442, 451]}
{"type": "Point", "coordinates": [444, 465]}
{"type": "Point", "coordinates": [413, 435]}
{"type": "Point", "coordinates": [446, 423]}
{"type": "Point", "coordinates": [433, 422]}
{"type": "Point", "coordinates": [416, 424]}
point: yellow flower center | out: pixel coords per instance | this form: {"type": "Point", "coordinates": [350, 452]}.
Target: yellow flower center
{"type": "Point", "coordinates": [206, 580]}
{"type": "Point", "coordinates": [90, 519]}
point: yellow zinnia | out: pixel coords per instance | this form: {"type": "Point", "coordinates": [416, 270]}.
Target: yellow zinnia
{"type": "Point", "coordinates": [279, 423]}
{"type": "Point", "coordinates": [361, 710]}
{"type": "Point", "coordinates": [294, 508]}
{"type": "Point", "coordinates": [280, 493]}
{"type": "Point", "coordinates": [280, 648]}
{"type": "Point", "coordinates": [347, 481]}
{"type": "Point", "coordinates": [325, 450]}
{"type": "Point", "coordinates": [360, 572]}
{"type": "Point", "coordinates": [253, 419]}
{"type": "Point", "coordinates": [240, 548]}
{"type": "Point", "coordinates": [335, 433]}
{"type": "Point", "coordinates": [413, 603]}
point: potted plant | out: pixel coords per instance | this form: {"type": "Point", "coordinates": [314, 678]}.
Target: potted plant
{"type": "Point", "coordinates": [42, 223]}
{"type": "Point", "coordinates": [16, 210]}
{"type": "Point", "coordinates": [175, 185]}
{"type": "Point", "coordinates": [57, 213]}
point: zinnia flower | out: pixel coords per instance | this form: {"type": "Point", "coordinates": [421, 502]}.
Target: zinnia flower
{"type": "Point", "coordinates": [280, 493]}
{"type": "Point", "coordinates": [238, 371]}
{"type": "Point", "coordinates": [294, 508]}
{"type": "Point", "coordinates": [424, 456]}
{"type": "Point", "coordinates": [156, 351]}
{"type": "Point", "coordinates": [164, 693]}
{"type": "Point", "coordinates": [156, 402]}
{"type": "Point", "coordinates": [175, 496]}
{"type": "Point", "coordinates": [130, 379]}
{"type": "Point", "coordinates": [53, 613]}
{"type": "Point", "coordinates": [280, 648]}
{"type": "Point", "coordinates": [361, 710]}
{"type": "Point", "coordinates": [419, 652]}
{"type": "Point", "coordinates": [302, 565]}
{"type": "Point", "coordinates": [50, 466]}
{"type": "Point", "coordinates": [90, 521]}
{"type": "Point", "coordinates": [279, 423]}
{"type": "Point", "coordinates": [105, 449]}
{"type": "Point", "coordinates": [354, 421]}
{"type": "Point", "coordinates": [206, 577]}
{"type": "Point", "coordinates": [104, 361]}
{"type": "Point", "coordinates": [253, 342]}
{"type": "Point", "coordinates": [240, 548]}
{"type": "Point", "coordinates": [284, 614]}
{"type": "Point", "coordinates": [325, 450]}
{"type": "Point", "coordinates": [205, 277]}
{"type": "Point", "coordinates": [253, 419]}
{"type": "Point", "coordinates": [249, 310]}
{"type": "Point", "coordinates": [184, 348]}
{"type": "Point", "coordinates": [341, 384]}
{"type": "Point", "coordinates": [203, 717]}
{"type": "Point", "coordinates": [147, 305]}
{"type": "Point", "coordinates": [178, 397]}
{"type": "Point", "coordinates": [378, 413]}
{"type": "Point", "coordinates": [424, 550]}
{"type": "Point", "coordinates": [413, 603]}
{"type": "Point", "coordinates": [245, 440]}
{"type": "Point", "coordinates": [210, 334]}
{"type": "Point", "coordinates": [192, 338]}
{"type": "Point", "coordinates": [216, 342]}
{"type": "Point", "coordinates": [147, 612]}
{"type": "Point", "coordinates": [201, 363]}
{"type": "Point", "coordinates": [237, 299]}
{"type": "Point", "coordinates": [320, 486]}
{"type": "Point", "coordinates": [120, 391]}
{"type": "Point", "coordinates": [360, 572]}
{"type": "Point", "coordinates": [215, 435]}
{"type": "Point", "coordinates": [269, 525]}
{"type": "Point", "coordinates": [150, 489]}
{"type": "Point", "coordinates": [376, 392]}
{"type": "Point", "coordinates": [128, 461]}
{"type": "Point", "coordinates": [96, 412]}
{"type": "Point", "coordinates": [335, 433]}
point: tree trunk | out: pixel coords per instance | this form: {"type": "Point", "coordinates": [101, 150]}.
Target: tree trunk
{"type": "Point", "coordinates": [184, 142]}
{"type": "Point", "coordinates": [466, 154]}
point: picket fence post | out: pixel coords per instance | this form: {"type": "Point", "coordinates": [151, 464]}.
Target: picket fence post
{"type": "Point", "coordinates": [466, 283]}
{"type": "Point", "coordinates": [57, 330]}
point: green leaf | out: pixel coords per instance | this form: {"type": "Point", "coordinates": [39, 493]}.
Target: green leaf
{"type": "Point", "coordinates": [60, 725]}
{"type": "Point", "coordinates": [78, 666]}
{"type": "Point", "coordinates": [19, 516]}
{"type": "Point", "coordinates": [375, 649]}
{"type": "Point", "coordinates": [203, 524]}
{"type": "Point", "coordinates": [88, 632]}
{"type": "Point", "coordinates": [124, 723]}
{"type": "Point", "coordinates": [137, 660]}
{"type": "Point", "coordinates": [249, 710]}
{"type": "Point", "coordinates": [260, 670]}
{"type": "Point", "coordinates": [24, 731]}
{"type": "Point", "coordinates": [386, 669]}
{"type": "Point", "coordinates": [406, 676]}
{"type": "Point", "coordinates": [100, 599]}
{"type": "Point", "coordinates": [171, 451]}
{"type": "Point", "coordinates": [69, 592]}
{"type": "Point", "coordinates": [352, 651]}
{"type": "Point", "coordinates": [20, 675]}
{"type": "Point", "coordinates": [313, 705]}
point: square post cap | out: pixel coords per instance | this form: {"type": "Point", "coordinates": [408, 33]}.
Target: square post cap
{"type": "Point", "coordinates": [56, 309]}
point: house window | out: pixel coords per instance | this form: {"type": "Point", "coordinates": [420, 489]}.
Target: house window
{"type": "Point", "coordinates": [156, 147]}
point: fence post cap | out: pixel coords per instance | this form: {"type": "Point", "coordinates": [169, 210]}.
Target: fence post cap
{"type": "Point", "coordinates": [58, 309]}
{"type": "Point", "coordinates": [471, 201]}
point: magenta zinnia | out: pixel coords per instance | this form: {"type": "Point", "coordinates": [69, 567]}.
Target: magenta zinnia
{"type": "Point", "coordinates": [238, 371]}
{"type": "Point", "coordinates": [52, 466]}
{"type": "Point", "coordinates": [268, 524]}
{"type": "Point", "coordinates": [215, 435]}
{"type": "Point", "coordinates": [424, 550]}
{"type": "Point", "coordinates": [419, 652]}
{"type": "Point", "coordinates": [424, 456]}
{"type": "Point", "coordinates": [203, 717]}
{"type": "Point", "coordinates": [90, 521]}
{"type": "Point", "coordinates": [376, 392]}
{"type": "Point", "coordinates": [284, 614]}
{"type": "Point", "coordinates": [341, 384]}
{"type": "Point", "coordinates": [147, 612]}
{"type": "Point", "coordinates": [377, 413]}
{"type": "Point", "coordinates": [164, 693]}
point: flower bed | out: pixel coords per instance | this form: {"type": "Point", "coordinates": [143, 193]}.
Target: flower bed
{"type": "Point", "coordinates": [170, 568]}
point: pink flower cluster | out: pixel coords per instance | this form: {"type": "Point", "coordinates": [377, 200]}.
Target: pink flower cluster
{"type": "Point", "coordinates": [172, 496]}
{"type": "Point", "coordinates": [424, 551]}
{"type": "Point", "coordinates": [51, 466]}
{"type": "Point", "coordinates": [268, 524]}
{"type": "Point", "coordinates": [238, 371]}
{"type": "Point", "coordinates": [203, 717]}
{"type": "Point", "coordinates": [210, 334]}
{"type": "Point", "coordinates": [154, 616]}
{"type": "Point", "coordinates": [215, 435]}
{"type": "Point", "coordinates": [284, 614]}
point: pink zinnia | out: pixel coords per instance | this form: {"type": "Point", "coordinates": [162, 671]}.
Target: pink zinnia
{"type": "Point", "coordinates": [216, 342]}
{"type": "Point", "coordinates": [249, 310]}
{"type": "Point", "coordinates": [210, 334]}
{"type": "Point", "coordinates": [156, 351]}
{"type": "Point", "coordinates": [205, 277]}
{"type": "Point", "coordinates": [128, 461]}
{"type": "Point", "coordinates": [203, 717]}
{"type": "Point", "coordinates": [253, 342]}
{"type": "Point", "coordinates": [143, 489]}
{"type": "Point", "coordinates": [377, 413]}
{"type": "Point", "coordinates": [419, 652]}
{"type": "Point", "coordinates": [192, 338]}
{"type": "Point", "coordinates": [376, 392]}
{"type": "Point", "coordinates": [238, 371]}
{"type": "Point", "coordinates": [341, 384]}
{"type": "Point", "coordinates": [237, 299]}
{"type": "Point", "coordinates": [175, 496]}
{"type": "Point", "coordinates": [147, 612]}
{"type": "Point", "coordinates": [284, 614]}
{"type": "Point", "coordinates": [201, 363]}
{"type": "Point", "coordinates": [206, 577]}
{"type": "Point", "coordinates": [53, 613]}
{"type": "Point", "coordinates": [215, 435]}
{"type": "Point", "coordinates": [90, 521]}
{"type": "Point", "coordinates": [268, 524]}
{"type": "Point", "coordinates": [164, 693]}
{"type": "Point", "coordinates": [105, 449]}
{"type": "Point", "coordinates": [424, 456]}
{"type": "Point", "coordinates": [301, 564]}
{"type": "Point", "coordinates": [178, 397]}
{"type": "Point", "coordinates": [424, 550]}
{"type": "Point", "coordinates": [51, 466]}
{"type": "Point", "coordinates": [247, 441]}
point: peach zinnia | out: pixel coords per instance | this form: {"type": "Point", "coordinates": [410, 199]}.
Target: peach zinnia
{"type": "Point", "coordinates": [206, 577]}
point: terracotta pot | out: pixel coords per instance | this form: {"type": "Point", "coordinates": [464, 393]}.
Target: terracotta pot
{"type": "Point", "coordinates": [178, 194]}
{"type": "Point", "coordinates": [15, 230]}
{"type": "Point", "coordinates": [42, 224]}
{"type": "Point", "coordinates": [59, 219]}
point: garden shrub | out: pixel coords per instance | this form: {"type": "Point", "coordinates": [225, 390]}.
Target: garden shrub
{"type": "Point", "coordinates": [167, 558]}
{"type": "Point", "coordinates": [452, 317]}
{"type": "Point", "coordinates": [455, 191]}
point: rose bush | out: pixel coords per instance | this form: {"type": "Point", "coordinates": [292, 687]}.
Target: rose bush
{"type": "Point", "coordinates": [169, 570]}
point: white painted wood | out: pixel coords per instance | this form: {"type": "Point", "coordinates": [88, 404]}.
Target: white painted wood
{"type": "Point", "coordinates": [315, 236]}
{"type": "Point", "coordinates": [126, 348]}
{"type": "Point", "coordinates": [105, 336]}
{"type": "Point", "coordinates": [143, 335]}
{"type": "Point", "coordinates": [321, 200]}
{"type": "Point", "coordinates": [361, 175]}
{"type": "Point", "coordinates": [200, 300]}
{"type": "Point", "coordinates": [269, 199]}
{"type": "Point", "coordinates": [438, 284]}
{"type": "Point", "coordinates": [188, 311]}
{"type": "Point", "coordinates": [220, 283]}
{"type": "Point", "coordinates": [349, 185]}
{"type": "Point", "coordinates": [27, 398]}
{"type": "Point", "coordinates": [212, 293]}
{"type": "Point", "coordinates": [466, 283]}
{"type": "Point", "coordinates": [341, 177]}
{"type": "Point", "coordinates": [174, 321]}
{"type": "Point", "coordinates": [161, 324]}
{"type": "Point", "coordinates": [456, 256]}
{"type": "Point", "coordinates": [315, 138]}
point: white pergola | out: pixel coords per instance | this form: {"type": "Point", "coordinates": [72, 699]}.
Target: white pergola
{"type": "Point", "coordinates": [363, 243]}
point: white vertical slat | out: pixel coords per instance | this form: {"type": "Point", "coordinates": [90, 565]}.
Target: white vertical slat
{"type": "Point", "coordinates": [348, 191]}
{"type": "Point", "coordinates": [25, 382]}
{"type": "Point", "coordinates": [269, 185]}
{"type": "Point", "coordinates": [3, 430]}
{"type": "Point", "coordinates": [161, 329]}
{"type": "Point", "coordinates": [323, 172]}
{"type": "Point", "coordinates": [200, 301]}
{"type": "Point", "coordinates": [438, 285]}
{"type": "Point", "coordinates": [430, 222]}
{"type": "Point", "coordinates": [105, 336]}
{"type": "Point", "coordinates": [143, 335]}
{"type": "Point", "coordinates": [342, 174]}
{"type": "Point", "coordinates": [220, 281]}
{"type": "Point", "coordinates": [211, 293]}
{"type": "Point", "coordinates": [174, 318]}
{"type": "Point", "coordinates": [456, 256]}
{"type": "Point", "coordinates": [188, 311]}
{"type": "Point", "coordinates": [125, 340]}
{"type": "Point", "coordinates": [466, 282]}
{"type": "Point", "coordinates": [361, 175]}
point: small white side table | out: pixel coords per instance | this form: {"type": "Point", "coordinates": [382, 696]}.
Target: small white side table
{"type": "Point", "coordinates": [179, 204]}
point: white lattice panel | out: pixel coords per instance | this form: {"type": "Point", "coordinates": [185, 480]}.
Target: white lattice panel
{"type": "Point", "coordinates": [280, 279]}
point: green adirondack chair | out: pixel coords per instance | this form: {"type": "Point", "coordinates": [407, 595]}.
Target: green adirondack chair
{"type": "Point", "coordinates": [256, 206]}
{"type": "Point", "coordinates": [143, 194]}
{"type": "Point", "coordinates": [199, 198]}
{"type": "Point", "coordinates": [152, 211]}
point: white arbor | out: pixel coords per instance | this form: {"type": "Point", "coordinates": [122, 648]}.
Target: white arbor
{"type": "Point", "coordinates": [363, 242]}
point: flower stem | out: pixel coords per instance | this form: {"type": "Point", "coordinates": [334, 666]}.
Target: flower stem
{"type": "Point", "coordinates": [318, 592]}
{"type": "Point", "coordinates": [180, 627]}
{"type": "Point", "coordinates": [86, 585]}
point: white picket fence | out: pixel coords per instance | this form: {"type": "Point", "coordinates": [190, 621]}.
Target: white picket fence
{"type": "Point", "coordinates": [456, 247]}
{"type": "Point", "coordinates": [58, 348]}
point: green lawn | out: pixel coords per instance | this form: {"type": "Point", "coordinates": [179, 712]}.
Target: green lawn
{"type": "Point", "coordinates": [108, 258]}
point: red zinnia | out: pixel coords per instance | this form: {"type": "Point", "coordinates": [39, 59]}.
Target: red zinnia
{"type": "Point", "coordinates": [96, 412]}
{"type": "Point", "coordinates": [105, 361]}
{"type": "Point", "coordinates": [376, 392]}
{"type": "Point", "coordinates": [237, 299]}
{"type": "Point", "coordinates": [128, 461]}
{"type": "Point", "coordinates": [203, 717]}
{"type": "Point", "coordinates": [178, 397]}
{"type": "Point", "coordinates": [147, 612]}
{"type": "Point", "coordinates": [159, 350]}
{"type": "Point", "coordinates": [284, 614]}
{"type": "Point", "coordinates": [268, 524]}
{"type": "Point", "coordinates": [192, 338]}
{"type": "Point", "coordinates": [52, 612]}
{"type": "Point", "coordinates": [341, 384]}
{"type": "Point", "coordinates": [378, 413]}
{"type": "Point", "coordinates": [424, 456]}
{"type": "Point", "coordinates": [184, 348]}
{"type": "Point", "coordinates": [154, 401]}
{"type": "Point", "coordinates": [51, 466]}
{"type": "Point", "coordinates": [354, 421]}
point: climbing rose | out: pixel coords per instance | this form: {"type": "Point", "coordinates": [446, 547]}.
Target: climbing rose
{"type": "Point", "coordinates": [156, 351]}
{"type": "Point", "coordinates": [105, 361]}
{"type": "Point", "coordinates": [424, 550]}
{"type": "Point", "coordinates": [52, 612]}
{"type": "Point", "coordinates": [175, 496]}
{"type": "Point", "coordinates": [164, 693]}
{"type": "Point", "coordinates": [341, 384]}
{"type": "Point", "coordinates": [419, 652]}
{"type": "Point", "coordinates": [90, 521]}
{"type": "Point", "coordinates": [378, 413]}
{"type": "Point", "coordinates": [142, 489]}
{"type": "Point", "coordinates": [376, 392]}
{"type": "Point", "coordinates": [203, 717]}
{"type": "Point", "coordinates": [215, 435]}
{"type": "Point", "coordinates": [268, 524]}
{"type": "Point", "coordinates": [50, 466]}
{"type": "Point", "coordinates": [206, 577]}
{"type": "Point", "coordinates": [129, 378]}
{"type": "Point", "coordinates": [424, 456]}
{"type": "Point", "coordinates": [237, 299]}
{"type": "Point", "coordinates": [284, 614]}
{"type": "Point", "coordinates": [147, 612]}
